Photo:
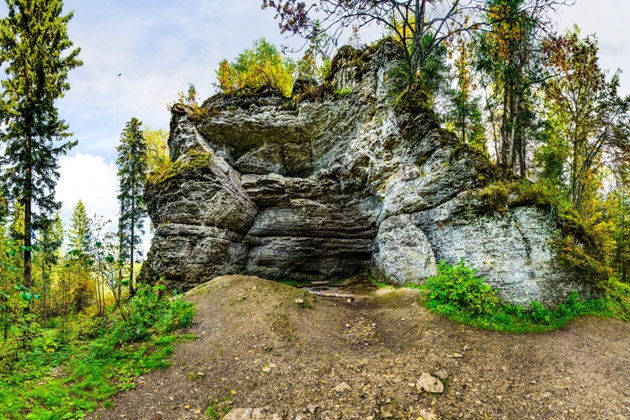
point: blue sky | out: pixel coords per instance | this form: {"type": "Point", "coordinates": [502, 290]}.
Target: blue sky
{"type": "Point", "coordinates": [160, 46]}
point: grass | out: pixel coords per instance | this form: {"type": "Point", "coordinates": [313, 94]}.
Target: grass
{"type": "Point", "coordinates": [94, 361]}
{"type": "Point", "coordinates": [458, 294]}
{"type": "Point", "coordinates": [218, 409]}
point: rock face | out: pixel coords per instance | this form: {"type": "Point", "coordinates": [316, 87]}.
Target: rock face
{"type": "Point", "coordinates": [331, 185]}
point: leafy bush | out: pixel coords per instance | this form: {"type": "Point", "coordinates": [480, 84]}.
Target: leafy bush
{"type": "Point", "coordinates": [459, 288]}
{"type": "Point", "coordinates": [150, 312]}
{"type": "Point", "coordinates": [457, 293]}
{"type": "Point", "coordinates": [262, 65]}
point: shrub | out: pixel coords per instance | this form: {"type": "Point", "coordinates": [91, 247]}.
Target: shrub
{"type": "Point", "coordinates": [459, 288]}
{"type": "Point", "coordinates": [151, 311]}
{"type": "Point", "coordinates": [262, 65]}
{"type": "Point", "coordinates": [457, 293]}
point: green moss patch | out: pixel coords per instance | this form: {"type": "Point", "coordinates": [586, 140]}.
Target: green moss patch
{"type": "Point", "coordinates": [192, 160]}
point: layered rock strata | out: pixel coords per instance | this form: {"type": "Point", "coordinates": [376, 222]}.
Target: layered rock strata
{"type": "Point", "coordinates": [334, 184]}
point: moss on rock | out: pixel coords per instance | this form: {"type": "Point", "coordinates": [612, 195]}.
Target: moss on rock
{"type": "Point", "coordinates": [190, 161]}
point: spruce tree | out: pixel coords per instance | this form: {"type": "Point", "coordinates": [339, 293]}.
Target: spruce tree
{"type": "Point", "coordinates": [49, 241]}
{"type": "Point", "coordinates": [36, 55]}
{"type": "Point", "coordinates": [80, 232]}
{"type": "Point", "coordinates": [80, 259]}
{"type": "Point", "coordinates": [132, 173]}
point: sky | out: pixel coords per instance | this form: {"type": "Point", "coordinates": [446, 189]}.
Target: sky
{"type": "Point", "coordinates": [161, 46]}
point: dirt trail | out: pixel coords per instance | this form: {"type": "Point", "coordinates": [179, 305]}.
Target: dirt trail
{"type": "Point", "coordinates": [264, 344]}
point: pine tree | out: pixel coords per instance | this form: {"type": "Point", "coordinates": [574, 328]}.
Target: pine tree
{"type": "Point", "coordinates": [80, 233]}
{"type": "Point", "coordinates": [37, 55]}
{"type": "Point", "coordinates": [80, 259]}
{"type": "Point", "coordinates": [132, 172]}
{"type": "Point", "coordinates": [49, 241]}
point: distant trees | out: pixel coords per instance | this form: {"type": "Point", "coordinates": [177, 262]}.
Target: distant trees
{"type": "Point", "coordinates": [132, 175]}
{"type": "Point", "coordinates": [593, 117]}
{"type": "Point", "coordinates": [80, 233]}
{"type": "Point", "coordinates": [464, 115]}
{"type": "Point", "coordinates": [77, 282]}
{"type": "Point", "coordinates": [36, 55]}
{"type": "Point", "coordinates": [49, 242]}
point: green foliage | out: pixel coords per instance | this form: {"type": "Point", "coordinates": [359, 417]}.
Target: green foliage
{"type": "Point", "coordinates": [315, 64]}
{"type": "Point", "coordinates": [36, 56]}
{"type": "Point", "coordinates": [432, 76]}
{"type": "Point", "coordinates": [158, 158]}
{"type": "Point", "coordinates": [459, 286]}
{"type": "Point", "coordinates": [262, 65]}
{"type": "Point", "coordinates": [457, 293]}
{"type": "Point", "coordinates": [192, 160]}
{"type": "Point", "coordinates": [218, 409]}
{"type": "Point", "coordinates": [132, 176]}
{"type": "Point", "coordinates": [120, 349]}
{"type": "Point", "coordinates": [80, 233]}
{"type": "Point", "coordinates": [343, 92]}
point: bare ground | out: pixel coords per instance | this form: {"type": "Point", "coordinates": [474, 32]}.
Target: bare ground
{"type": "Point", "coordinates": [259, 346]}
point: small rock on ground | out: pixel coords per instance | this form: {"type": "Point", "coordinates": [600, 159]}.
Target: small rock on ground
{"type": "Point", "coordinates": [430, 383]}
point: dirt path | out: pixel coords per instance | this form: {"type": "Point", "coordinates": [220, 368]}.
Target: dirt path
{"type": "Point", "coordinates": [263, 344]}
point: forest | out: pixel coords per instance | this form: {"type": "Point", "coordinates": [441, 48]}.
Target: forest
{"type": "Point", "coordinates": [77, 319]}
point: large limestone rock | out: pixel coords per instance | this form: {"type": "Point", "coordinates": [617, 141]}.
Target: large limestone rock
{"type": "Point", "coordinates": [327, 186]}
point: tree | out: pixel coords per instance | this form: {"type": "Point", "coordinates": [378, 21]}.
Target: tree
{"type": "Point", "coordinates": [262, 65]}
{"type": "Point", "coordinates": [36, 54]}
{"type": "Point", "coordinates": [510, 55]}
{"type": "Point", "coordinates": [464, 115]}
{"type": "Point", "coordinates": [422, 26]}
{"type": "Point", "coordinates": [158, 157]}
{"type": "Point", "coordinates": [49, 242]}
{"type": "Point", "coordinates": [79, 259]}
{"type": "Point", "coordinates": [593, 119]}
{"type": "Point", "coordinates": [315, 63]}
{"type": "Point", "coordinates": [132, 174]}
{"type": "Point", "coordinates": [80, 232]}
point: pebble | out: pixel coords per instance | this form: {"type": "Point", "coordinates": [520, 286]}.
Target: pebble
{"type": "Point", "coordinates": [429, 383]}
{"type": "Point", "coordinates": [441, 374]}
{"type": "Point", "coordinates": [455, 356]}
{"type": "Point", "coordinates": [342, 387]}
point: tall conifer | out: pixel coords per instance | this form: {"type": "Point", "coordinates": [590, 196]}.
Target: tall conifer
{"type": "Point", "coordinates": [132, 173]}
{"type": "Point", "coordinates": [36, 55]}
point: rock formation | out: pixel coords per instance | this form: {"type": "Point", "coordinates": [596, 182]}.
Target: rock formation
{"type": "Point", "coordinates": [342, 179]}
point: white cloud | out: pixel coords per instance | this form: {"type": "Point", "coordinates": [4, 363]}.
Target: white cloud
{"type": "Point", "coordinates": [89, 178]}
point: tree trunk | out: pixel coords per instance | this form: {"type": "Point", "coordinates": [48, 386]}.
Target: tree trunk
{"type": "Point", "coordinates": [133, 238]}
{"type": "Point", "coordinates": [28, 228]}
{"type": "Point", "coordinates": [416, 55]}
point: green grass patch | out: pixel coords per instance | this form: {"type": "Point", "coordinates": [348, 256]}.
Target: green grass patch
{"type": "Point", "coordinates": [459, 294]}
{"type": "Point", "coordinates": [65, 376]}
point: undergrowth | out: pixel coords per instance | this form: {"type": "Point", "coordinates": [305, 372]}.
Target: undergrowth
{"type": "Point", "coordinates": [459, 294]}
{"type": "Point", "coordinates": [65, 375]}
